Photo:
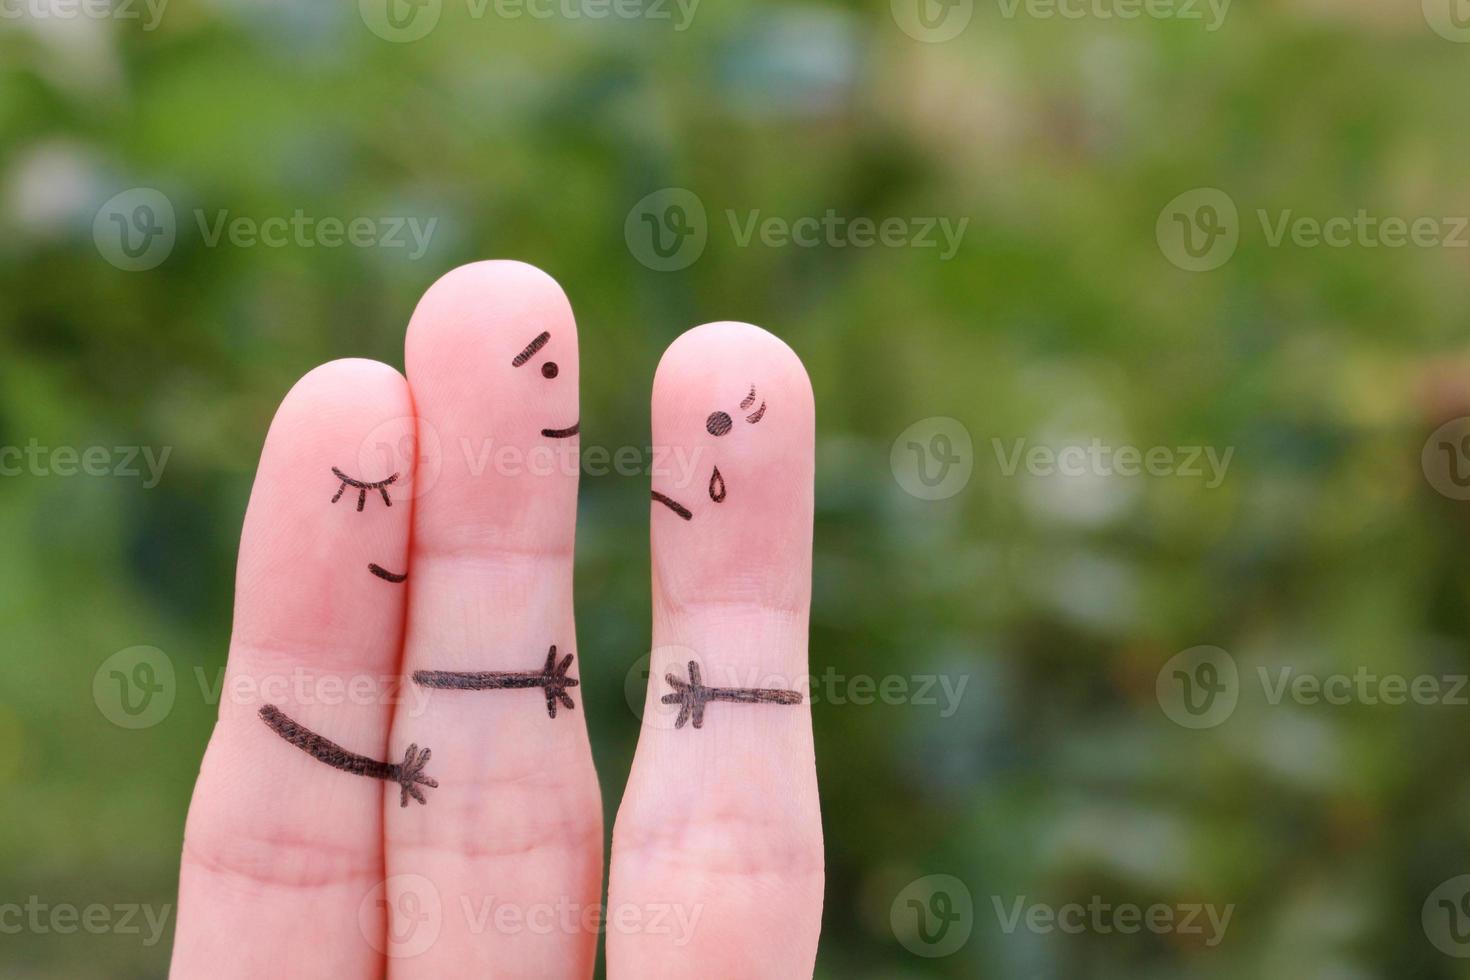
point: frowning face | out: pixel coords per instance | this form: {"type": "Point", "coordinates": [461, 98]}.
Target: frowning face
{"type": "Point", "coordinates": [549, 371]}
{"type": "Point", "coordinates": [719, 424]}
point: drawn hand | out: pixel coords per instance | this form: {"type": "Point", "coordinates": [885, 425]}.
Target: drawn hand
{"type": "Point", "coordinates": [447, 556]}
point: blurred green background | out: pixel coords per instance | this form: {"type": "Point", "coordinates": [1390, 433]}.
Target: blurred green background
{"type": "Point", "coordinates": [1328, 546]}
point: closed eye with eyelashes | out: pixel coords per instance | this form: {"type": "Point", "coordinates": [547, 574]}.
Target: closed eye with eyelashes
{"type": "Point", "coordinates": [362, 487]}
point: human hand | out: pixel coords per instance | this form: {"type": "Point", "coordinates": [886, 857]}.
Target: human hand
{"type": "Point", "coordinates": [424, 614]}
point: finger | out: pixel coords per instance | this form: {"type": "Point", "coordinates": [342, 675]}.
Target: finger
{"type": "Point", "coordinates": [281, 849]}
{"type": "Point", "coordinates": [717, 855]}
{"type": "Point", "coordinates": [512, 847]}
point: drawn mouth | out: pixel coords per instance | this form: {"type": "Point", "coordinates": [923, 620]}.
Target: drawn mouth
{"type": "Point", "coordinates": [386, 575]}
{"type": "Point", "coordinates": [570, 430]}
{"type": "Point", "coordinates": [673, 505]}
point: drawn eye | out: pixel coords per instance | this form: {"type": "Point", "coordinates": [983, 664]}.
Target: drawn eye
{"type": "Point", "coordinates": [362, 488]}
{"type": "Point", "coordinates": [718, 423]}
{"type": "Point", "coordinates": [549, 370]}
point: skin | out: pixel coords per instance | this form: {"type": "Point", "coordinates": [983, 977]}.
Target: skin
{"type": "Point", "coordinates": [291, 868]}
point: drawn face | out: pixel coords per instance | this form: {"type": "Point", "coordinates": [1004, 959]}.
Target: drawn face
{"type": "Point", "coordinates": [363, 487]}
{"type": "Point", "coordinates": [719, 424]}
{"type": "Point", "coordinates": [549, 371]}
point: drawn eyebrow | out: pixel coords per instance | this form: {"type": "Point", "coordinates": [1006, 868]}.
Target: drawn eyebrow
{"type": "Point", "coordinates": [749, 399]}
{"type": "Point", "coordinates": [362, 488]}
{"type": "Point", "coordinates": [386, 575]}
{"type": "Point", "coordinates": [531, 349]}
{"type": "Point", "coordinates": [406, 774]}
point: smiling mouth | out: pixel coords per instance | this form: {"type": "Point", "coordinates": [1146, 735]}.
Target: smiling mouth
{"type": "Point", "coordinates": [673, 505]}
{"type": "Point", "coordinates": [570, 430]}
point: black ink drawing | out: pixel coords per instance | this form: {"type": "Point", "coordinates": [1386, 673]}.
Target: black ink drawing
{"type": "Point", "coordinates": [549, 370]}
{"type": "Point", "coordinates": [552, 679]}
{"type": "Point", "coordinates": [409, 774]}
{"type": "Point", "coordinates": [386, 575]}
{"type": "Point", "coordinates": [691, 696]}
{"type": "Point", "coordinates": [673, 505]}
{"type": "Point", "coordinates": [717, 424]}
{"type": "Point", "coordinates": [531, 349]}
{"type": "Point", "coordinates": [362, 488]}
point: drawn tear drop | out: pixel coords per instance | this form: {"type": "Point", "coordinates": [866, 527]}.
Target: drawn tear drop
{"type": "Point", "coordinates": [716, 486]}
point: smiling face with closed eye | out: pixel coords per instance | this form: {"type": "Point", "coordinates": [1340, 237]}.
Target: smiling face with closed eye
{"type": "Point", "coordinates": [549, 371]}
{"type": "Point", "coordinates": [718, 424]}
